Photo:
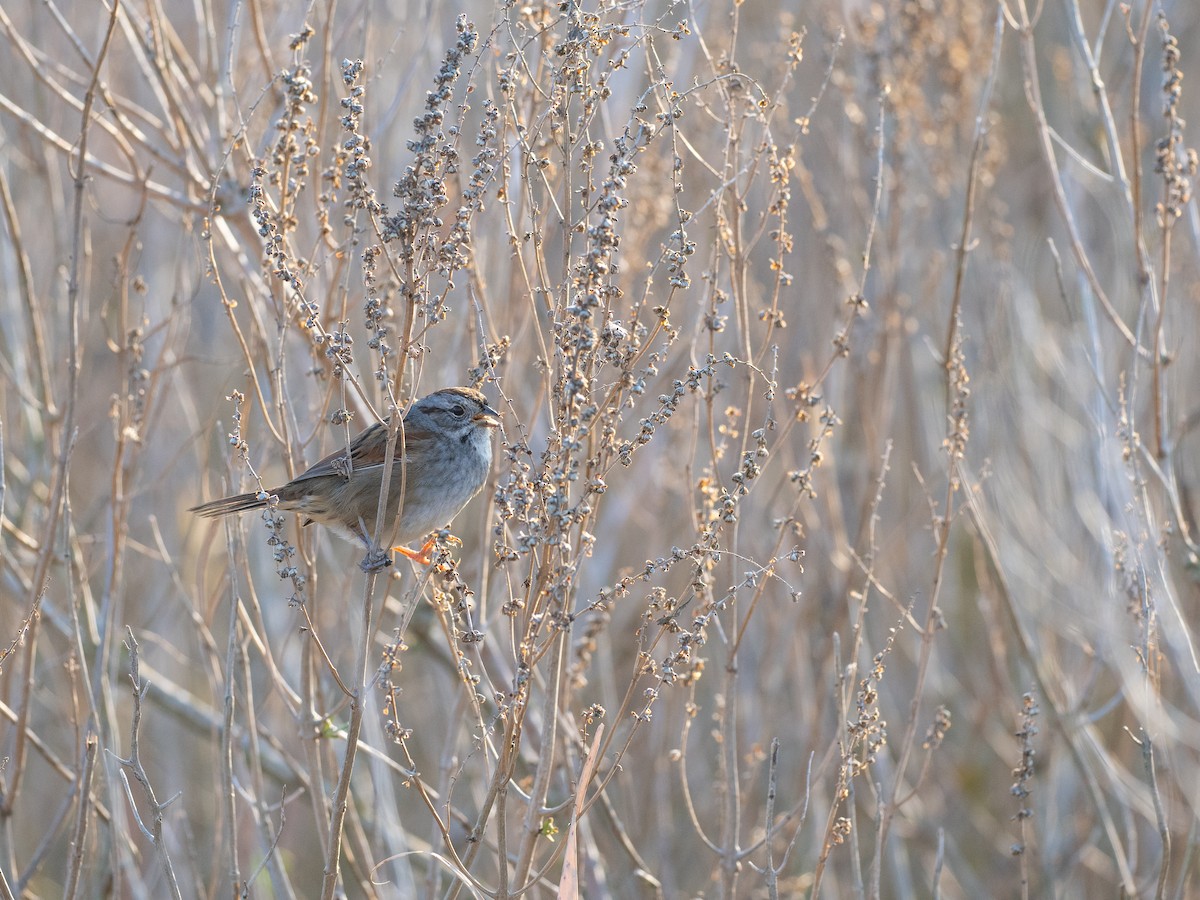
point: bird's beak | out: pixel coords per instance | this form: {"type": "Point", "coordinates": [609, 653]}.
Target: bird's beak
{"type": "Point", "coordinates": [488, 417]}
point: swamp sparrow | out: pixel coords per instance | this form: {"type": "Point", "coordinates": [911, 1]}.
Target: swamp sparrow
{"type": "Point", "coordinates": [447, 452]}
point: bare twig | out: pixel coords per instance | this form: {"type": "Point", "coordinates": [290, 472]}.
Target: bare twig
{"type": "Point", "coordinates": [82, 817]}
{"type": "Point", "coordinates": [153, 832]}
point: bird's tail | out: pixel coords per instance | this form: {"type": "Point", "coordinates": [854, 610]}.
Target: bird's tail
{"type": "Point", "coordinates": [229, 505]}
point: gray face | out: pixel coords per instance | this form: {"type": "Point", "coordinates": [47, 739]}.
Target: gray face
{"type": "Point", "coordinates": [452, 413]}
{"type": "Point", "coordinates": [459, 413]}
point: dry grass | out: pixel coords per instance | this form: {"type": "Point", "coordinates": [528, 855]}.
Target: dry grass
{"type": "Point", "coordinates": [841, 538]}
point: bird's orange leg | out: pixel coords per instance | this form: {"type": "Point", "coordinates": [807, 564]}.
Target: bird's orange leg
{"type": "Point", "coordinates": [422, 557]}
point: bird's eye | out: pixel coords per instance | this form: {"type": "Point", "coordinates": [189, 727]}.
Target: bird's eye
{"type": "Point", "coordinates": [458, 410]}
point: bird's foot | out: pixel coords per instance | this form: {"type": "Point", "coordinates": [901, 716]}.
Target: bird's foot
{"type": "Point", "coordinates": [375, 560]}
{"type": "Point", "coordinates": [424, 557]}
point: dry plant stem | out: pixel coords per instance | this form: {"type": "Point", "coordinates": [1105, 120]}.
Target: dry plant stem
{"type": "Point", "coordinates": [1111, 138]}
{"type": "Point", "coordinates": [799, 812]}
{"type": "Point", "coordinates": [249, 356]}
{"type": "Point", "coordinates": [772, 874]}
{"type": "Point", "coordinates": [334, 848]}
{"type": "Point", "coordinates": [1023, 857]}
{"type": "Point", "coordinates": [937, 868]}
{"type": "Point", "coordinates": [1021, 788]}
{"type": "Point", "coordinates": [228, 790]}
{"type": "Point", "coordinates": [731, 784]}
{"type": "Point", "coordinates": [1158, 305]}
{"type": "Point", "coordinates": [686, 791]}
{"type": "Point", "coordinates": [569, 882]}
{"type": "Point", "coordinates": [841, 787]}
{"type": "Point", "coordinates": [341, 795]}
{"type": "Point", "coordinates": [133, 763]}
{"type": "Point", "coordinates": [1135, 135]}
{"type": "Point", "coordinates": [730, 788]}
{"type": "Point", "coordinates": [1166, 228]}
{"type": "Point", "coordinates": [83, 816]}
{"type": "Point", "coordinates": [269, 67]}
{"type": "Point", "coordinates": [501, 840]}
{"type": "Point", "coordinates": [32, 306]}
{"type": "Point", "coordinates": [112, 597]}
{"type": "Point", "coordinates": [548, 739]}
{"type": "Point", "coordinates": [315, 641]}
{"type": "Point", "coordinates": [1033, 96]}
{"type": "Point", "coordinates": [22, 735]}
{"type": "Point", "coordinates": [1160, 816]}
{"type": "Point", "coordinates": [977, 144]}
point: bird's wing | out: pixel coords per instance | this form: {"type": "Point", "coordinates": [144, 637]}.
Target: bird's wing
{"type": "Point", "coordinates": [367, 451]}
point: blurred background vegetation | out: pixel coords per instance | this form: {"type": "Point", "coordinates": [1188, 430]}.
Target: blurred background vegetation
{"type": "Point", "coordinates": [841, 538]}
